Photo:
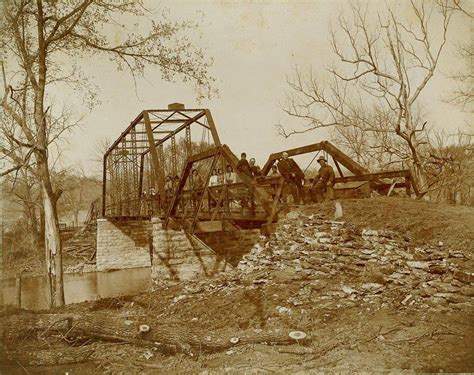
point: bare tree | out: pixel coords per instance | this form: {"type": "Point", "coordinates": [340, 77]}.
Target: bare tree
{"type": "Point", "coordinates": [463, 96]}
{"type": "Point", "coordinates": [450, 167]}
{"type": "Point", "coordinates": [36, 36]}
{"type": "Point", "coordinates": [385, 64]}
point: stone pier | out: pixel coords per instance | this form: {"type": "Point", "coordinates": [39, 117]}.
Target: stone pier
{"type": "Point", "coordinates": [123, 244]}
{"type": "Point", "coordinates": [173, 255]}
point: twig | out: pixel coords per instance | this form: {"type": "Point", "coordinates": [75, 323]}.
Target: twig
{"type": "Point", "coordinates": [53, 324]}
{"type": "Point", "coordinates": [24, 369]}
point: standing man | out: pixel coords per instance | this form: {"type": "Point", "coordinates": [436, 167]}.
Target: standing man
{"type": "Point", "coordinates": [254, 168]}
{"type": "Point", "coordinates": [294, 178]}
{"type": "Point", "coordinates": [243, 165]}
{"type": "Point", "coordinates": [324, 181]}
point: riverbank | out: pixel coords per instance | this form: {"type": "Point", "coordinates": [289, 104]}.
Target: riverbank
{"type": "Point", "coordinates": [371, 293]}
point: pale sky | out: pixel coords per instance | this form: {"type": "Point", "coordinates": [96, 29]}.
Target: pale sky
{"type": "Point", "coordinates": [255, 45]}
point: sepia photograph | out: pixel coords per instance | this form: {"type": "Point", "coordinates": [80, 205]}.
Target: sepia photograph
{"type": "Point", "coordinates": [236, 186]}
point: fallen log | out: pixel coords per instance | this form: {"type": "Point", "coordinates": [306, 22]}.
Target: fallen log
{"type": "Point", "coordinates": [169, 338]}
{"type": "Point", "coordinates": [26, 325]}
{"type": "Point", "coordinates": [49, 357]}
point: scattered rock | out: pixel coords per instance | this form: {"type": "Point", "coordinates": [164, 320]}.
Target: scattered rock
{"type": "Point", "coordinates": [382, 268]}
{"type": "Point", "coordinates": [348, 290]}
{"type": "Point", "coordinates": [465, 277]}
{"type": "Point", "coordinates": [418, 264]}
{"type": "Point", "coordinates": [467, 291]}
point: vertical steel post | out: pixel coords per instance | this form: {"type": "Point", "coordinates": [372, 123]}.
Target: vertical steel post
{"type": "Point", "coordinates": [210, 121]}
{"type": "Point", "coordinates": [140, 184]}
{"type": "Point", "coordinates": [159, 183]}
{"type": "Point", "coordinates": [104, 184]}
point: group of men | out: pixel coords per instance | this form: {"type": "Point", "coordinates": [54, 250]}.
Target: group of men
{"type": "Point", "coordinates": [294, 177]}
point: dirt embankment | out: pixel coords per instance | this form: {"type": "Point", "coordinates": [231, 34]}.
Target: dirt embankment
{"type": "Point", "coordinates": [388, 287]}
{"type": "Point", "coordinates": [424, 223]}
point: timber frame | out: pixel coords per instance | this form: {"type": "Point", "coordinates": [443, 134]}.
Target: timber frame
{"type": "Point", "coordinates": [359, 172]}
{"type": "Point", "coordinates": [264, 196]}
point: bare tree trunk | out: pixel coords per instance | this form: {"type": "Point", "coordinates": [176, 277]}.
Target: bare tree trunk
{"type": "Point", "coordinates": [41, 226]}
{"type": "Point", "coordinates": [52, 239]}
{"type": "Point", "coordinates": [51, 234]}
{"type": "Point", "coordinates": [53, 246]}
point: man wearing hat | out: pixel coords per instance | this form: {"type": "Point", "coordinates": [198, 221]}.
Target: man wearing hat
{"type": "Point", "coordinates": [294, 178]}
{"type": "Point", "coordinates": [323, 181]}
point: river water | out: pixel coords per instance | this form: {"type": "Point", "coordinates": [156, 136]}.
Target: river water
{"type": "Point", "coordinates": [79, 287]}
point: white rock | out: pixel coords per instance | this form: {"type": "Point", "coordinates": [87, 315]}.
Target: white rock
{"type": "Point", "coordinates": [407, 298]}
{"type": "Point", "coordinates": [338, 211]}
{"type": "Point", "coordinates": [348, 290]}
{"type": "Point", "coordinates": [372, 287]}
{"type": "Point", "coordinates": [179, 298]}
{"type": "Point", "coordinates": [283, 310]}
{"type": "Point", "coordinates": [418, 264]}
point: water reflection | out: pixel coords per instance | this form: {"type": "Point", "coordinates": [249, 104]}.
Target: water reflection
{"type": "Point", "coordinates": [79, 287]}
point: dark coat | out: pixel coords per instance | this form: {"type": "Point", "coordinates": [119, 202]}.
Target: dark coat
{"type": "Point", "coordinates": [325, 175]}
{"type": "Point", "coordinates": [289, 167]}
{"type": "Point", "coordinates": [244, 166]}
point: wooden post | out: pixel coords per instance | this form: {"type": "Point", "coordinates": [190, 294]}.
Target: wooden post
{"type": "Point", "coordinates": [338, 166]}
{"type": "Point", "coordinates": [206, 189]}
{"type": "Point", "coordinates": [18, 292]}
{"type": "Point", "coordinates": [408, 186]}
{"type": "Point", "coordinates": [276, 200]}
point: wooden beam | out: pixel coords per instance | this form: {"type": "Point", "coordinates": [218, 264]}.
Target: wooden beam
{"type": "Point", "coordinates": [209, 226]}
{"type": "Point", "coordinates": [344, 159]}
{"type": "Point", "coordinates": [260, 192]}
{"type": "Point", "coordinates": [291, 152]}
{"type": "Point", "coordinates": [373, 176]}
{"type": "Point", "coordinates": [338, 167]}
{"type": "Point", "coordinates": [276, 200]}
{"type": "Point", "coordinates": [337, 154]}
{"type": "Point", "coordinates": [219, 200]}
{"type": "Point", "coordinates": [408, 186]}
{"type": "Point", "coordinates": [206, 188]}
{"type": "Point", "coordinates": [179, 191]}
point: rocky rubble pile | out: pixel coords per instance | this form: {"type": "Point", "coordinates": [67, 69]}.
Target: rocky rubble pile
{"type": "Point", "coordinates": [336, 261]}
{"type": "Point", "coordinates": [83, 243]}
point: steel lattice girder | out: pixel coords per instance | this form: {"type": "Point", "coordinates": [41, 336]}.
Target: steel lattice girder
{"type": "Point", "coordinates": [147, 132]}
